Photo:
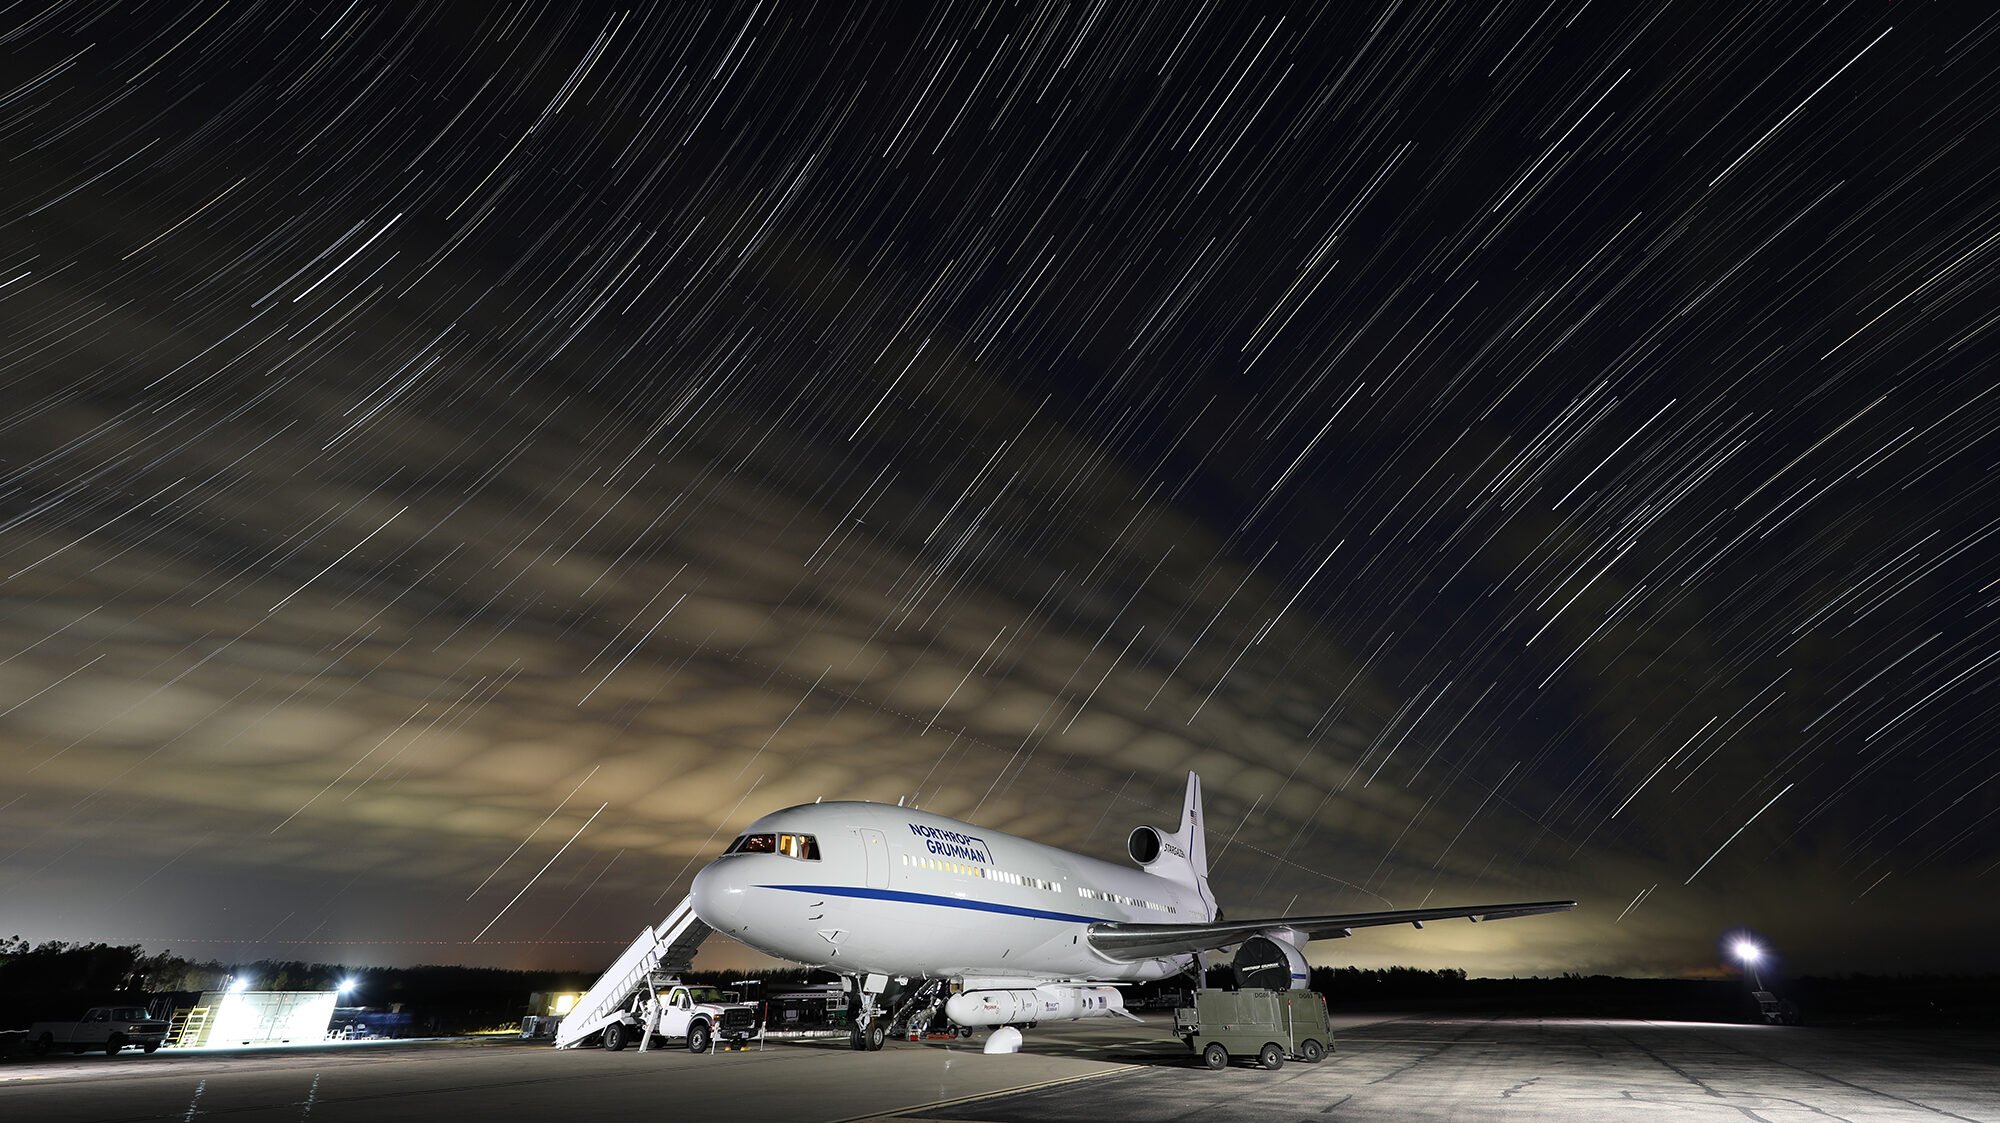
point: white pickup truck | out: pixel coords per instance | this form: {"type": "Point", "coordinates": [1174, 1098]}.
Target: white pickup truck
{"type": "Point", "coordinates": [698, 1015]}
{"type": "Point", "coordinates": [109, 1028]}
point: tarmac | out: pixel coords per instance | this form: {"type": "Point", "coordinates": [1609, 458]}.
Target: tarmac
{"type": "Point", "coordinates": [1393, 1068]}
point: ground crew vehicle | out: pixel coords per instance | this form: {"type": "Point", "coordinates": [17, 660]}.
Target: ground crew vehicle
{"type": "Point", "coordinates": [701, 1015]}
{"type": "Point", "coordinates": [1270, 1025]}
{"type": "Point", "coordinates": [668, 1008]}
{"type": "Point", "coordinates": [109, 1028]}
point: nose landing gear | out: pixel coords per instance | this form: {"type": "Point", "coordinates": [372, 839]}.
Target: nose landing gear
{"type": "Point", "coordinates": [871, 1027]}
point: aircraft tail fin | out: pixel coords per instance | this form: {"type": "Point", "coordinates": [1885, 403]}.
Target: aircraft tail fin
{"type": "Point", "coordinates": [1192, 833]}
{"type": "Point", "coordinates": [1182, 856]}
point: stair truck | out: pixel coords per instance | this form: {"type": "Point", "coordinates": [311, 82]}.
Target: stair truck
{"type": "Point", "coordinates": [638, 997]}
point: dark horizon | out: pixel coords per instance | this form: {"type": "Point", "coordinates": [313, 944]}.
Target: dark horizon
{"type": "Point", "coordinates": [465, 464]}
{"type": "Point", "coordinates": [71, 968]}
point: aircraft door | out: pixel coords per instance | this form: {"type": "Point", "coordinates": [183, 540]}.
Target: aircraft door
{"type": "Point", "coordinates": [875, 849]}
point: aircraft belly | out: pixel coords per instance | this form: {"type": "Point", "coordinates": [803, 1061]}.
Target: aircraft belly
{"type": "Point", "coordinates": [912, 939]}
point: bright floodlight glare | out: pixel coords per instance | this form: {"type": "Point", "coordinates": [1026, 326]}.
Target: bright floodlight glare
{"type": "Point", "coordinates": [239, 984]}
{"type": "Point", "coordinates": [1748, 952]}
{"type": "Point", "coordinates": [346, 986]}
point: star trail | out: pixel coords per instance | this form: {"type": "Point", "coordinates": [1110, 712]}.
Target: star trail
{"type": "Point", "coordinates": [1513, 452]}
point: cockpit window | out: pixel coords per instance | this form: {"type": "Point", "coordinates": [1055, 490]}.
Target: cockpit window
{"type": "Point", "coordinates": [799, 846]}
{"type": "Point", "coordinates": [802, 846]}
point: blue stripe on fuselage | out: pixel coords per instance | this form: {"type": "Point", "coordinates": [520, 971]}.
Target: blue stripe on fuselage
{"type": "Point", "coordinates": [943, 902]}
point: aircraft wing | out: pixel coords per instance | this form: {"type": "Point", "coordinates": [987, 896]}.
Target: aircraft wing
{"type": "Point", "coordinates": [1128, 942]}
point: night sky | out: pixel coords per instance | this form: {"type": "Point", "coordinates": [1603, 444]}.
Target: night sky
{"type": "Point", "coordinates": [460, 463]}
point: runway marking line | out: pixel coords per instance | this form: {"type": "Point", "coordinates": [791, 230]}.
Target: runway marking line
{"type": "Point", "coordinates": [894, 1113]}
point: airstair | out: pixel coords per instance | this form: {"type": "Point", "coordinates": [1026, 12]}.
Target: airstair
{"type": "Point", "coordinates": [667, 949]}
{"type": "Point", "coordinates": [189, 1027]}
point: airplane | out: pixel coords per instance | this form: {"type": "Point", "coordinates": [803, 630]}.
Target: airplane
{"type": "Point", "coordinates": [884, 894]}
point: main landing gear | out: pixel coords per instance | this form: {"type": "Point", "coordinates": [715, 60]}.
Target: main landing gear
{"type": "Point", "coordinates": [882, 1006]}
{"type": "Point", "coordinates": [885, 1006]}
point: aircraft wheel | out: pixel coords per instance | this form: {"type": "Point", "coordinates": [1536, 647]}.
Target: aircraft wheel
{"type": "Point", "coordinates": [877, 1035]}
{"type": "Point", "coordinates": [1311, 1052]}
{"type": "Point", "coordinates": [1215, 1056]}
{"type": "Point", "coordinates": [614, 1036]}
{"type": "Point", "coordinates": [965, 1031]}
{"type": "Point", "coordinates": [1271, 1056]}
{"type": "Point", "coordinates": [855, 1040]}
{"type": "Point", "coordinates": [114, 1043]}
{"type": "Point", "coordinates": [698, 1037]}
{"type": "Point", "coordinates": [45, 1044]}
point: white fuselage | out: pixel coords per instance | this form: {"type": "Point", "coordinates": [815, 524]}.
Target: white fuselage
{"type": "Point", "coordinates": [898, 891]}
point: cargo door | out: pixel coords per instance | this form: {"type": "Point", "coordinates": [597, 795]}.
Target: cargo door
{"type": "Point", "coordinates": [875, 852]}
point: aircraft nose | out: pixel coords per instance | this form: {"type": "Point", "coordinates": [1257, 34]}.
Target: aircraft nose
{"type": "Point", "coordinates": [718, 895]}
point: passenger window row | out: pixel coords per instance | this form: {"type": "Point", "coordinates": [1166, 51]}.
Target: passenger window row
{"type": "Point", "coordinates": [1098, 895]}
{"type": "Point", "coordinates": [984, 873]}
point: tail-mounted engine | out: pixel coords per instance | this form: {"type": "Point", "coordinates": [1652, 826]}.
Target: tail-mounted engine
{"type": "Point", "coordinates": [1144, 845]}
{"type": "Point", "coordinates": [1157, 851]}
